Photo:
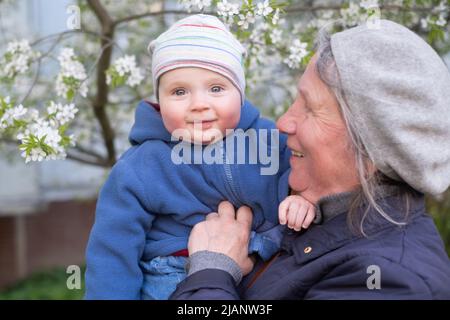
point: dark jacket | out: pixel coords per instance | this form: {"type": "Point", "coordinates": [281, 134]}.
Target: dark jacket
{"type": "Point", "coordinates": [329, 262]}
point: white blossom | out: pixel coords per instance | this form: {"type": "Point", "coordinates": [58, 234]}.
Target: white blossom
{"type": "Point", "coordinates": [61, 113]}
{"type": "Point", "coordinates": [43, 131]}
{"type": "Point", "coordinates": [11, 114]}
{"type": "Point", "coordinates": [276, 36]}
{"type": "Point", "coordinates": [19, 112]}
{"type": "Point", "coordinates": [226, 9]}
{"type": "Point", "coordinates": [257, 35]}
{"type": "Point", "coordinates": [276, 16]}
{"type": "Point", "coordinates": [135, 77]}
{"type": "Point", "coordinates": [37, 154]}
{"type": "Point", "coordinates": [32, 115]}
{"type": "Point", "coordinates": [352, 15]}
{"type": "Point", "coordinates": [41, 138]}
{"type": "Point", "coordinates": [297, 51]}
{"type": "Point", "coordinates": [72, 75]}
{"type": "Point", "coordinates": [369, 4]}
{"type": "Point", "coordinates": [200, 4]}
{"type": "Point", "coordinates": [323, 20]}
{"type": "Point", "coordinates": [442, 11]}
{"type": "Point", "coordinates": [257, 53]}
{"type": "Point", "coordinates": [424, 23]}
{"type": "Point", "coordinates": [126, 67]}
{"type": "Point", "coordinates": [17, 58]}
{"type": "Point", "coordinates": [245, 21]}
{"type": "Point", "coordinates": [441, 21]}
{"type": "Point", "coordinates": [263, 8]}
{"type": "Point", "coordinates": [442, 7]}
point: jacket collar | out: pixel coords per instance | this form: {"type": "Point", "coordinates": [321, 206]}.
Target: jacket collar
{"type": "Point", "coordinates": [330, 206]}
{"type": "Point", "coordinates": [332, 231]}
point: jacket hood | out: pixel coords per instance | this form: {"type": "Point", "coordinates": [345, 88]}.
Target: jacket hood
{"type": "Point", "coordinates": [148, 124]}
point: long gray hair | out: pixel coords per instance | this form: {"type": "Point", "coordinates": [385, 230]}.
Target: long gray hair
{"type": "Point", "coordinates": [370, 179]}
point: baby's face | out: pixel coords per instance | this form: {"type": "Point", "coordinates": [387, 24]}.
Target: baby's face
{"type": "Point", "coordinates": [198, 105]}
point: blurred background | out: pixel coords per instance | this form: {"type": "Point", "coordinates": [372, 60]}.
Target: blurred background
{"type": "Point", "coordinates": [47, 207]}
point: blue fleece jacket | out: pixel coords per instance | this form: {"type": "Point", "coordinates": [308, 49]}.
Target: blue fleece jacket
{"type": "Point", "coordinates": [149, 204]}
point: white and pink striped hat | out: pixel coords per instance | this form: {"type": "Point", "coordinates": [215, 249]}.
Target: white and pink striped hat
{"type": "Point", "coordinates": [201, 41]}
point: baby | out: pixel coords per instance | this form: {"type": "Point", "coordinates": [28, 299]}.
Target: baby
{"type": "Point", "coordinates": [159, 190]}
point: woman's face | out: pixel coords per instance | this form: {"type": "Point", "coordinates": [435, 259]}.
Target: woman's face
{"type": "Point", "coordinates": [322, 160]}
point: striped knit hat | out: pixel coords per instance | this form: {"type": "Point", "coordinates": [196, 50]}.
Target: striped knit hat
{"type": "Point", "coordinates": [201, 41]}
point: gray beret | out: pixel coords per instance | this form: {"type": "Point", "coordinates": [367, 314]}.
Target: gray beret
{"type": "Point", "coordinates": [398, 89]}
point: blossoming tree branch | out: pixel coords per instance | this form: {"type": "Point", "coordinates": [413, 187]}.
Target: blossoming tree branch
{"type": "Point", "coordinates": [98, 72]}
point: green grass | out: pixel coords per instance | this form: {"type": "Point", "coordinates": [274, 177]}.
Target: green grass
{"type": "Point", "coordinates": [46, 285]}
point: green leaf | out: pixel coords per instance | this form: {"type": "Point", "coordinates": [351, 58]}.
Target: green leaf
{"type": "Point", "coordinates": [8, 56]}
{"type": "Point", "coordinates": [70, 94]}
{"type": "Point", "coordinates": [435, 34]}
{"type": "Point", "coordinates": [62, 129]}
{"type": "Point", "coordinates": [70, 81]}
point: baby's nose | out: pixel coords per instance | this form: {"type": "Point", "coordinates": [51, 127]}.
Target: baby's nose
{"type": "Point", "coordinates": [199, 104]}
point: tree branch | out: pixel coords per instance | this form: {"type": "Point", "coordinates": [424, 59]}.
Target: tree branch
{"type": "Point", "coordinates": [105, 19]}
{"type": "Point", "coordinates": [157, 13]}
{"type": "Point", "coordinates": [95, 159]}
{"type": "Point", "coordinates": [88, 152]}
{"type": "Point", "coordinates": [69, 32]}
{"type": "Point", "coordinates": [303, 8]}
{"type": "Point", "coordinates": [101, 99]}
{"type": "Point", "coordinates": [102, 164]}
{"type": "Point", "coordinates": [291, 9]}
{"type": "Point", "coordinates": [36, 77]}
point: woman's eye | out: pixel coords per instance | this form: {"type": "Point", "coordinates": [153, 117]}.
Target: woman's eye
{"type": "Point", "coordinates": [216, 89]}
{"type": "Point", "coordinates": [179, 92]}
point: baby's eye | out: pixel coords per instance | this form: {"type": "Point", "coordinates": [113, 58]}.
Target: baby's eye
{"type": "Point", "coordinates": [179, 92]}
{"type": "Point", "coordinates": [216, 89]}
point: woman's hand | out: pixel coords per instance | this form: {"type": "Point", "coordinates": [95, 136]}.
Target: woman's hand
{"type": "Point", "coordinates": [225, 232]}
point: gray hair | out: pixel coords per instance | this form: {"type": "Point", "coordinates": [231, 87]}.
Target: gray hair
{"type": "Point", "coordinates": [369, 178]}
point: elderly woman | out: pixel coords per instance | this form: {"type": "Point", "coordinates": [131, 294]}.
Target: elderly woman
{"type": "Point", "coordinates": [370, 134]}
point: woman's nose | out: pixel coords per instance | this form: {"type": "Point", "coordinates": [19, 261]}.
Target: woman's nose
{"type": "Point", "coordinates": [286, 124]}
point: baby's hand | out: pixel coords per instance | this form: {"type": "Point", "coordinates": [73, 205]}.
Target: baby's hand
{"type": "Point", "coordinates": [296, 212]}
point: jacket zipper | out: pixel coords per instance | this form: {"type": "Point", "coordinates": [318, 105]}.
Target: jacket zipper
{"type": "Point", "coordinates": [229, 177]}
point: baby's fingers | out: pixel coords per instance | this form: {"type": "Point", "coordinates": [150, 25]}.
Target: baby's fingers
{"type": "Point", "coordinates": [282, 211]}
{"type": "Point", "coordinates": [294, 207]}
{"type": "Point", "coordinates": [309, 217]}
{"type": "Point", "coordinates": [299, 219]}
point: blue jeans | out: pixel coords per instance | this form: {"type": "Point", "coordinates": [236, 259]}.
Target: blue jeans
{"type": "Point", "coordinates": [161, 276]}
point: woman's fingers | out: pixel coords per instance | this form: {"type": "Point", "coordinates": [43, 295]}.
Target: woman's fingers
{"type": "Point", "coordinates": [225, 232]}
{"type": "Point", "coordinates": [244, 215]}
{"type": "Point", "coordinates": [211, 216]}
{"type": "Point", "coordinates": [226, 210]}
